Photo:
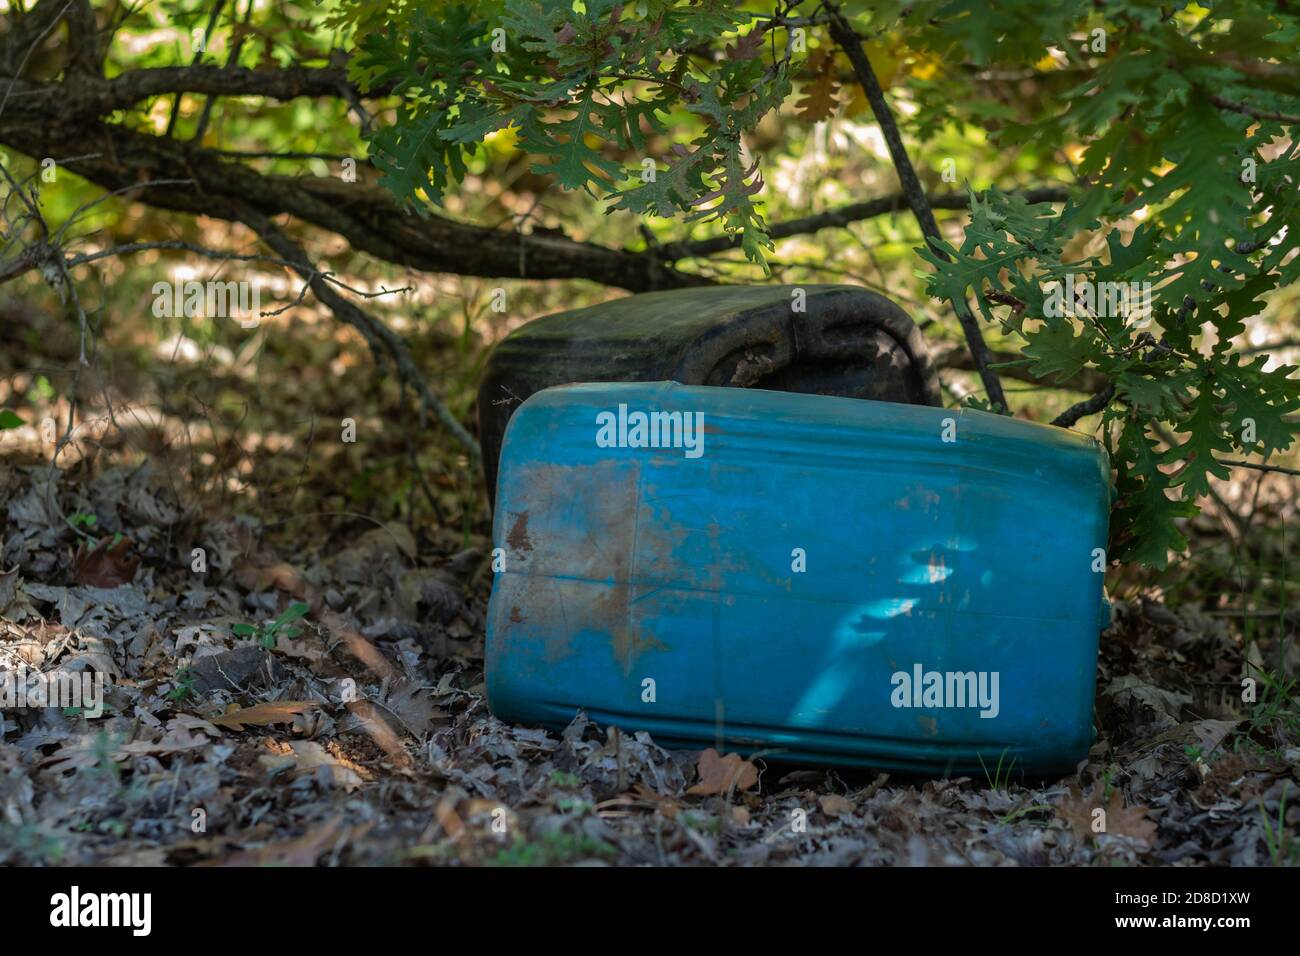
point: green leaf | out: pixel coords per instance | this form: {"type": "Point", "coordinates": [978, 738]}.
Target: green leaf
{"type": "Point", "coordinates": [574, 163]}
{"type": "Point", "coordinates": [1259, 402]}
{"type": "Point", "coordinates": [1143, 527]}
{"type": "Point", "coordinates": [292, 613]}
{"type": "Point", "coordinates": [1207, 438]}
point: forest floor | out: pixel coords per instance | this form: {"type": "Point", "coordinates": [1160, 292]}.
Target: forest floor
{"type": "Point", "coordinates": [307, 688]}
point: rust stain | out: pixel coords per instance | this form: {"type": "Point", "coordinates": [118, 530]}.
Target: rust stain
{"type": "Point", "coordinates": [518, 536]}
{"type": "Point", "coordinates": [603, 561]}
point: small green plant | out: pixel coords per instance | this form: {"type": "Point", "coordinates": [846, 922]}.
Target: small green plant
{"type": "Point", "coordinates": [552, 849]}
{"type": "Point", "coordinates": [1280, 846]}
{"type": "Point", "coordinates": [85, 523]}
{"type": "Point", "coordinates": [1016, 813]}
{"type": "Point", "coordinates": [574, 805]}
{"type": "Point", "coordinates": [29, 842]}
{"type": "Point", "coordinates": [41, 391]}
{"type": "Point", "coordinates": [184, 686]}
{"type": "Point", "coordinates": [1276, 714]}
{"type": "Point", "coordinates": [1107, 780]}
{"type": "Point", "coordinates": [268, 632]}
{"type": "Point", "coordinates": [1001, 778]}
{"type": "Point", "coordinates": [9, 420]}
{"type": "Point", "coordinates": [562, 778]}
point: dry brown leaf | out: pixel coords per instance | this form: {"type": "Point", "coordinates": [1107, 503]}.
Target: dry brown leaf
{"type": "Point", "coordinates": [445, 815]}
{"type": "Point", "coordinates": [307, 756]}
{"type": "Point", "coordinates": [747, 47]}
{"type": "Point", "coordinates": [818, 101]}
{"type": "Point", "coordinates": [357, 645]}
{"type": "Point", "coordinates": [281, 577]}
{"type": "Point", "coordinates": [1078, 812]}
{"type": "Point", "coordinates": [666, 805]}
{"type": "Point", "coordinates": [379, 730]}
{"type": "Point", "coordinates": [107, 565]}
{"type": "Point", "coordinates": [833, 805]}
{"type": "Point", "coordinates": [261, 715]}
{"type": "Point", "coordinates": [723, 774]}
{"type": "Point", "coordinates": [300, 851]}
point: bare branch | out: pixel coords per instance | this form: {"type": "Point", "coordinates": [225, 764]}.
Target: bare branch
{"type": "Point", "coordinates": [364, 214]}
{"type": "Point", "coordinates": [913, 192]}
{"type": "Point", "coordinates": [838, 218]}
{"type": "Point", "coordinates": [384, 343]}
{"type": "Point", "coordinates": [1251, 111]}
{"type": "Point", "coordinates": [1089, 406]}
{"type": "Point", "coordinates": [1259, 466]}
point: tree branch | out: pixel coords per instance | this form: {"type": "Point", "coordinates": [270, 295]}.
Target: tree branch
{"type": "Point", "coordinates": [1259, 467]}
{"type": "Point", "coordinates": [839, 218]}
{"type": "Point", "coordinates": [953, 355]}
{"type": "Point", "coordinates": [1250, 111]}
{"type": "Point", "coordinates": [913, 192]}
{"type": "Point", "coordinates": [1089, 406]}
{"type": "Point", "coordinates": [82, 97]}
{"type": "Point", "coordinates": [366, 215]}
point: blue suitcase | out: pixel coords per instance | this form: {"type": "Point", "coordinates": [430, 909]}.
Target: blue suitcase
{"type": "Point", "coordinates": [822, 580]}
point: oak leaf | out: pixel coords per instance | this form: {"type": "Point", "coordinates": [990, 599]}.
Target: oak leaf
{"type": "Point", "coordinates": [1079, 813]}
{"type": "Point", "coordinates": [818, 101]}
{"type": "Point", "coordinates": [723, 774]}
{"type": "Point", "coordinates": [107, 565]}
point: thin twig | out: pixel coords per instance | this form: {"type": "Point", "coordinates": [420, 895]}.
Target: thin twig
{"type": "Point", "coordinates": [1260, 467]}
{"type": "Point", "coordinates": [1089, 406]}
{"type": "Point", "coordinates": [384, 342]}
{"type": "Point", "coordinates": [198, 58]}
{"type": "Point", "coordinates": [1253, 112]}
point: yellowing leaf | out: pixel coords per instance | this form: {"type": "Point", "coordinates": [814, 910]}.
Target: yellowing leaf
{"type": "Point", "coordinates": [1047, 63]}
{"type": "Point", "coordinates": [884, 60]}
{"type": "Point", "coordinates": [924, 67]}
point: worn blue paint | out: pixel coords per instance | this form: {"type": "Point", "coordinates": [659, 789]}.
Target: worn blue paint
{"type": "Point", "coordinates": [628, 564]}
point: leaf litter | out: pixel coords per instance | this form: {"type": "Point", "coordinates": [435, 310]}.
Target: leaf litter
{"type": "Point", "coordinates": [360, 735]}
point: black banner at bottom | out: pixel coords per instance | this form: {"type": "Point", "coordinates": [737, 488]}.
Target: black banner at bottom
{"type": "Point", "coordinates": [342, 906]}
